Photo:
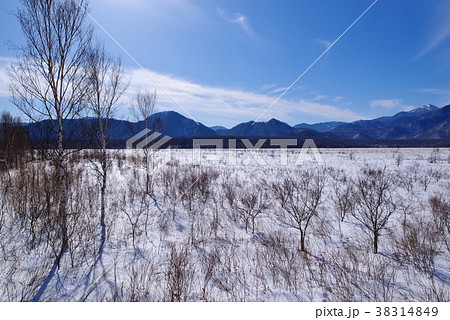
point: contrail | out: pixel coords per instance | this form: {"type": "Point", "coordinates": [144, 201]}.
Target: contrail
{"type": "Point", "coordinates": [315, 61]}
{"type": "Point", "coordinates": [135, 61]}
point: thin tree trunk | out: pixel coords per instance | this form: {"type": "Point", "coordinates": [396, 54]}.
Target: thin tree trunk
{"type": "Point", "coordinates": [63, 195]}
{"type": "Point", "coordinates": [149, 173]}
{"type": "Point", "coordinates": [302, 241]}
{"type": "Point", "coordinates": [148, 162]}
{"type": "Point", "coordinates": [103, 200]}
{"type": "Point", "coordinates": [375, 242]}
{"type": "Point", "coordinates": [253, 225]}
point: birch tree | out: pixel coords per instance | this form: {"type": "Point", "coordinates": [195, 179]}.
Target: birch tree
{"type": "Point", "coordinates": [48, 80]}
{"type": "Point", "coordinates": [144, 109]}
{"type": "Point", "coordinates": [106, 84]}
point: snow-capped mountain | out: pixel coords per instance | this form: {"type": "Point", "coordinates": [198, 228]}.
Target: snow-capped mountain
{"type": "Point", "coordinates": [403, 125]}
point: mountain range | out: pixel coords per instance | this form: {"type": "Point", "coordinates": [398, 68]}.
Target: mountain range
{"type": "Point", "coordinates": [425, 123]}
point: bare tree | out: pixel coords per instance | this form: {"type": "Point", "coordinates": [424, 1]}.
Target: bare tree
{"type": "Point", "coordinates": [145, 106]}
{"type": "Point", "coordinates": [48, 79]}
{"type": "Point", "coordinates": [106, 87]}
{"type": "Point", "coordinates": [374, 202]}
{"type": "Point", "coordinates": [250, 204]}
{"type": "Point", "coordinates": [343, 191]}
{"type": "Point", "coordinates": [299, 198]}
{"type": "Point", "coordinates": [13, 140]}
{"type": "Point", "coordinates": [144, 109]}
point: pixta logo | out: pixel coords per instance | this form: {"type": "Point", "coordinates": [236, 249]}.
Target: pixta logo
{"type": "Point", "coordinates": [145, 145]}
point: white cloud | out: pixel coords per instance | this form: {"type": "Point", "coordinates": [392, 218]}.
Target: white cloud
{"type": "Point", "coordinates": [320, 97]}
{"type": "Point", "coordinates": [245, 25]}
{"type": "Point", "coordinates": [266, 87]}
{"type": "Point", "coordinates": [228, 106]}
{"type": "Point", "coordinates": [278, 90]}
{"type": "Point", "coordinates": [408, 108]}
{"type": "Point", "coordinates": [325, 43]}
{"type": "Point", "coordinates": [444, 92]}
{"type": "Point", "coordinates": [387, 104]}
{"type": "Point", "coordinates": [240, 20]}
{"type": "Point", "coordinates": [440, 30]}
{"type": "Point", "coordinates": [4, 79]}
{"type": "Point", "coordinates": [215, 105]}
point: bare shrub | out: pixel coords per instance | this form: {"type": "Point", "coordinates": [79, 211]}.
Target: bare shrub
{"type": "Point", "coordinates": [80, 223]}
{"type": "Point", "coordinates": [425, 288]}
{"type": "Point", "coordinates": [14, 144]}
{"type": "Point", "coordinates": [228, 281]}
{"type": "Point", "coordinates": [425, 178]}
{"type": "Point", "coordinates": [440, 209]}
{"type": "Point", "coordinates": [187, 188]}
{"type": "Point", "coordinates": [374, 202]}
{"type": "Point", "coordinates": [406, 180]}
{"type": "Point", "coordinates": [344, 195]}
{"type": "Point", "coordinates": [169, 180]}
{"type": "Point", "coordinates": [299, 198]}
{"type": "Point", "coordinates": [415, 170]}
{"type": "Point", "coordinates": [195, 185]}
{"type": "Point", "coordinates": [208, 269]}
{"type": "Point", "coordinates": [34, 197]}
{"type": "Point", "coordinates": [419, 245]}
{"type": "Point", "coordinates": [179, 275]}
{"type": "Point", "coordinates": [434, 156]}
{"type": "Point", "coordinates": [200, 228]}
{"type": "Point", "coordinates": [399, 159]}
{"type": "Point", "coordinates": [138, 218]}
{"type": "Point", "coordinates": [20, 284]}
{"type": "Point", "coordinates": [4, 186]}
{"type": "Point", "coordinates": [431, 291]}
{"type": "Point", "coordinates": [436, 174]}
{"type": "Point", "coordinates": [250, 204]}
{"type": "Point", "coordinates": [351, 275]}
{"type": "Point", "coordinates": [229, 191]}
{"type": "Point", "coordinates": [142, 279]}
{"type": "Point", "coordinates": [281, 258]}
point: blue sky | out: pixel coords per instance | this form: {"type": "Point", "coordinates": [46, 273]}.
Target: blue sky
{"type": "Point", "coordinates": [225, 62]}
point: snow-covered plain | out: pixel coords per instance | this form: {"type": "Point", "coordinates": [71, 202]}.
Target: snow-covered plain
{"type": "Point", "coordinates": [188, 241]}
